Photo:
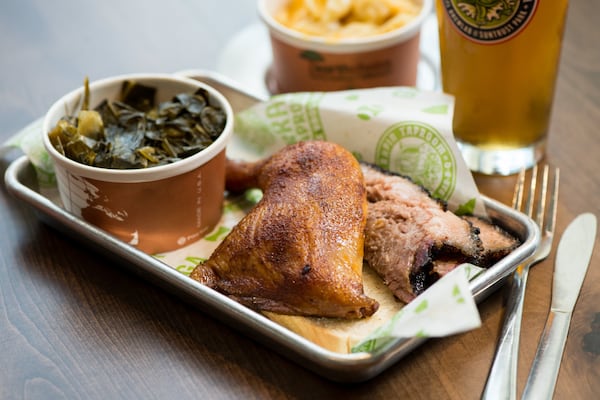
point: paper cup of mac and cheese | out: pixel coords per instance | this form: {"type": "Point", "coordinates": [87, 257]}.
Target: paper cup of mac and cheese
{"type": "Point", "coordinates": [326, 45]}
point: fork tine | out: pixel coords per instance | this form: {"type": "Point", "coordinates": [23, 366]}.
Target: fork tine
{"type": "Point", "coordinates": [552, 206]}
{"type": "Point", "coordinates": [531, 194]}
{"type": "Point", "coordinates": [518, 193]}
{"type": "Point", "coordinates": [541, 208]}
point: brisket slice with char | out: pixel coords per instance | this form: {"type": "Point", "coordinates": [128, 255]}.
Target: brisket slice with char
{"type": "Point", "coordinates": [411, 239]}
{"type": "Point", "coordinates": [497, 243]}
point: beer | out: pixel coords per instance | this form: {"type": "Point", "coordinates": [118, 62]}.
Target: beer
{"type": "Point", "coordinates": [499, 59]}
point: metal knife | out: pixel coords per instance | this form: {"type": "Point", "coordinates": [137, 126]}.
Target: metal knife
{"type": "Point", "coordinates": [572, 260]}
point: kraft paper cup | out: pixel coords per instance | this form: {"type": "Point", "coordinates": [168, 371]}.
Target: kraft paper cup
{"type": "Point", "coordinates": [155, 209]}
{"type": "Point", "coordinates": [307, 63]}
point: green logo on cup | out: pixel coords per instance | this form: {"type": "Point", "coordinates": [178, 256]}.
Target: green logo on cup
{"type": "Point", "coordinates": [418, 150]}
{"type": "Point", "coordinates": [490, 21]}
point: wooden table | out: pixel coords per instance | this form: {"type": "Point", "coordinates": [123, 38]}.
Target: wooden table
{"type": "Point", "coordinates": [75, 325]}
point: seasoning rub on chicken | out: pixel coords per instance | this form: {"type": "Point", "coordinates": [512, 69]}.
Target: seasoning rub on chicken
{"type": "Point", "coordinates": [300, 250]}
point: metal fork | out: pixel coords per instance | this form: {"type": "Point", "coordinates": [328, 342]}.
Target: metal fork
{"type": "Point", "coordinates": [502, 379]}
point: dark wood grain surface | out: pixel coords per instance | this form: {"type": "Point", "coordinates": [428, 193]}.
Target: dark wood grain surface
{"type": "Point", "coordinates": [76, 325]}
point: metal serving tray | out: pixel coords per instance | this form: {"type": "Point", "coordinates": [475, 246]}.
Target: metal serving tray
{"type": "Point", "coordinates": [21, 182]}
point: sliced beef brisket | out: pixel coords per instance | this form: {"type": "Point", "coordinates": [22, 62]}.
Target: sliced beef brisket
{"type": "Point", "coordinates": [497, 243]}
{"type": "Point", "coordinates": [408, 230]}
{"type": "Point", "coordinates": [411, 239]}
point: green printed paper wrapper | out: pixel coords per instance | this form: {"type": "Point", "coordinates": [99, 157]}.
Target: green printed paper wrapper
{"type": "Point", "coordinates": [401, 129]}
{"type": "Point", "coordinates": [405, 130]}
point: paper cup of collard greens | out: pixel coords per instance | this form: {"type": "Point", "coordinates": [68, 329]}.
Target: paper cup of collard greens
{"type": "Point", "coordinates": [142, 157]}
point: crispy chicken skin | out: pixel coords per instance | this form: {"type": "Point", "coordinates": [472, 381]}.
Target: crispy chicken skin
{"type": "Point", "coordinates": [300, 249]}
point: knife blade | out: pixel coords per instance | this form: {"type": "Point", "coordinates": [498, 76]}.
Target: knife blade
{"type": "Point", "coordinates": [572, 259]}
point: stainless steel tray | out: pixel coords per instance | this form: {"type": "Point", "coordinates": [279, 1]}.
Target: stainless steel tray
{"type": "Point", "coordinates": [20, 181]}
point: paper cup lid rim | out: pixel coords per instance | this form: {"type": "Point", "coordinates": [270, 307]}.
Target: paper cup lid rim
{"type": "Point", "coordinates": [374, 42]}
{"type": "Point", "coordinates": [140, 174]}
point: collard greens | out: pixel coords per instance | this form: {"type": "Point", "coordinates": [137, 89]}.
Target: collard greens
{"type": "Point", "coordinates": [135, 132]}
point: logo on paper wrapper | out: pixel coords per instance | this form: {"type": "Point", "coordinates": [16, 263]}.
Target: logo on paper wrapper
{"type": "Point", "coordinates": [418, 150]}
{"type": "Point", "coordinates": [490, 21]}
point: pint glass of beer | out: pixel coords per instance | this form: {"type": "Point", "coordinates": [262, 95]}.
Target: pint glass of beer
{"type": "Point", "coordinates": [499, 58]}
